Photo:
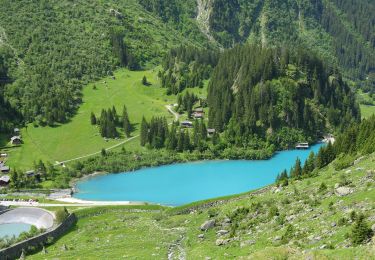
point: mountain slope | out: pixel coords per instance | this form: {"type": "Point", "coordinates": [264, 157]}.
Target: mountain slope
{"type": "Point", "coordinates": [340, 31]}
{"type": "Point", "coordinates": [302, 220]}
{"type": "Point", "coordinates": [64, 45]}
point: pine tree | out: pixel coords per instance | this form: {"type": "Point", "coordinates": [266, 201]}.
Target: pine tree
{"type": "Point", "coordinates": [125, 122]}
{"type": "Point", "coordinates": [144, 132]}
{"type": "Point", "coordinates": [360, 231]}
{"type": "Point", "coordinates": [93, 119]}
{"type": "Point", "coordinates": [297, 170]}
{"type": "Point", "coordinates": [309, 166]}
{"type": "Point", "coordinates": [144, 81]}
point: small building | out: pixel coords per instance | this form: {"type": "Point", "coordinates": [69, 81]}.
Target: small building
{"type": "Point", "coordinates": [4, 180]}
{"type": "Point", "coordinates": [30, 173]}
{"type": "Point", "coordinates": [15, 140]}
{"type": "Point", "coordinates": [198, 110]}
{"type": "Point", "coordinates": [302, 146]}
{"type": "Point", "coordinates": [187, 124]}
{"type": "Point", "coordinates": [198, 115]}
{"type": "Point", "coordinates": [4, 168]}
{"type": "Point", "coordinates": [3, 155]}
{"type": "Point", "coordinates": [211, 131]}
{"type": "Point", "coordinates": [16, 131]}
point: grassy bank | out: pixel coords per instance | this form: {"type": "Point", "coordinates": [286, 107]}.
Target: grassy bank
{"type": "Point", "coordinates": [318, 219]}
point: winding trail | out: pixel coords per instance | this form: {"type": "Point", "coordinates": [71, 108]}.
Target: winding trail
{"type": "Point", "coordinates": [170, 110]}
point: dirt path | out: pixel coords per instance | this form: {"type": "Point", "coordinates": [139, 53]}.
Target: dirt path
{"type": "Point", "coordinates": [169, 108]}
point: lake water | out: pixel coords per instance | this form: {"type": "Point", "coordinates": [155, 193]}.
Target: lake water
{"type": "Point", "coordinates": [13, 229]}
{"type": "Point", "coordinates": [180, 184]}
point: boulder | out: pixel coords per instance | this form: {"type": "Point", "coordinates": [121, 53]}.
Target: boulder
{"type": "Point", "coordinates": [373, 228]}
{"type": "Point", "coordinates": [222, 232]}
{"type": "Point", "coordinates": [207, 225]}
{"type": "Point", "coordinates": [201, 236]}
{"type": "Point", "coordinates": [247, 243]}
{"type": "Point", "coordinates": [343, 191]}
{"type": "Point", "coordinates": [222, 242]}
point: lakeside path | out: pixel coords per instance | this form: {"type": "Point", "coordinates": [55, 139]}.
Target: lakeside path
{"type": "Point", "coordinates": [169, 108]}
{"type": "Point", "coordinates": [70, 202]}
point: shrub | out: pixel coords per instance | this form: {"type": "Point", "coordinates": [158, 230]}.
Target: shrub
{"type": "Point", "coordinates": [322, 187]}
{"type": "Point", "coordinates": [288, 235]}
{"type": "Point", "coordinates": [343, 162]}
{"type": "Point", "coordinates": [61, 215]}
{"type": "Point", "coordinates": [360, 231]}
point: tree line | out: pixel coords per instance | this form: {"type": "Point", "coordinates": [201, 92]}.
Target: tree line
{"type": "Point", "coordinates": [266, 92]}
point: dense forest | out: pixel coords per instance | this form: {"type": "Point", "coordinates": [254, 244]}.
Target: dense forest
{"type": "Point", "coordinates": [54, 48]}
{"type": "Point", "coordinates": [278, 94]}
{"type": "Point", "coordinates": [340, 31]}
{"type": "Point", "coordinates": [187, 67]}
{"type": "Point", "coordinates": [58, 46]}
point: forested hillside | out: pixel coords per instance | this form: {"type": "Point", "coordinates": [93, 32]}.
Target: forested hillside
{"type": "Point", "coordinates": [58, 46]}
{"type": "Point", "coordinates": [55, 47]}
{"type": "Point", "coordinates": [279, 94]}
{"type": "Point", "coordinates": [340, 31]}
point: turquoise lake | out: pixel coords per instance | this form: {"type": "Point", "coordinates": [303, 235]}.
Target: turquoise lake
{"type": "Point", "coordinates": [180, 184]}
{"type": "Point", "coordinates": [13, 229]}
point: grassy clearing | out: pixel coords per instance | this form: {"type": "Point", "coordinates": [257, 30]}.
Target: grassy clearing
{"type": "Point", "coordinates": [79, 137]}
{"type": "Point", "coordinates": [115, 232]}
{"type": "Point", "coordinates": [367, 111]}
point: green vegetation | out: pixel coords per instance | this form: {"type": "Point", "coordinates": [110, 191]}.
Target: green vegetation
{"type": "Point", "coordinates": [61, 214]}
{"type": "Point", "coordinates": [7, 241]}
{"type": "Point", "coordinates": [300, 220]}
{"type": "Point", "coordinates": [285, 100]}
{"type": "Point", "coordinates": [78, 137]}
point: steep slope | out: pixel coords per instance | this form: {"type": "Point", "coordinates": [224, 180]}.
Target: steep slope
{"type": "Point", "coordinates": [308, 219]}
{"type": "Point", "coordinates": [64, 45]}
{"type": "Point", "coordinates": [342, 32]}
{"type": "Point", "coordinates": [279, 94]}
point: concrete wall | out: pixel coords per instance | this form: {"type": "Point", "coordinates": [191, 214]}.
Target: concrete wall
{"type": "Point", "coordinates": [15, 251]}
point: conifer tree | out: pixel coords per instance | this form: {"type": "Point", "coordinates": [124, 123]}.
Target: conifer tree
{"type": "Point", "coordinates": [144, 132]}
{"type": "Point", "coordinates": [126, 122]}
{"type": "Point", "coordinates": [93, 119]}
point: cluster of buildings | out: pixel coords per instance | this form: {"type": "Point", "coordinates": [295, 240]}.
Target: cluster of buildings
{"type": "Point", "coordinates": [4, 169]}
{"type": "Point", "coordinates": [198, 113]}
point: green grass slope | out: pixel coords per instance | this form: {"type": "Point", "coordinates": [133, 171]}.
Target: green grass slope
{"type": "Point", "coordinates": [318, 220]}
{"type": "Point", "coordinates": [78, 137]}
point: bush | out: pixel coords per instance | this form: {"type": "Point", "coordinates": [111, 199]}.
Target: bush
{"type": "Point", "coordinates": [61, 215]}
{"type": "Point", "coordinates": [360, 231]}
{"type": "Point", "coordinates": [343, 162]}
{"type": "Point", "coordinates": [322, 187]}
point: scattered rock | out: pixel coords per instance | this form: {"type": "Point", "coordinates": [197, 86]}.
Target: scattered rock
{"type": "Point", "coordinates": [278, 238]}
{"type": "Point", "coordinates": [227, 221]}
{"type": "Point", "coordinates": [333, 224]}
{"type": "Point", "coordinates": [318, 238]}
{"type": "Point", "coordinates": [337, 185]}
{"type": "Point", "coordinates": [343, 191]}
{"type": "Point", "coordinates": [208, 224]}
{"type": "Point", "coordinates": [201, 236]}
{"type": "Point", "coordinates": [222, 242]}
{"type": "Point", "coordinates": [222, 232]}
{"type": "Point", "coordinates": [290, 218]}
{"type": "Point", "coordinates": [247, 243]}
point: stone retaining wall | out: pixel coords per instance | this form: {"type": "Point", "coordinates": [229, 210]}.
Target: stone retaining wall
{"type": "Point", "coordinates": [15, 251]}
